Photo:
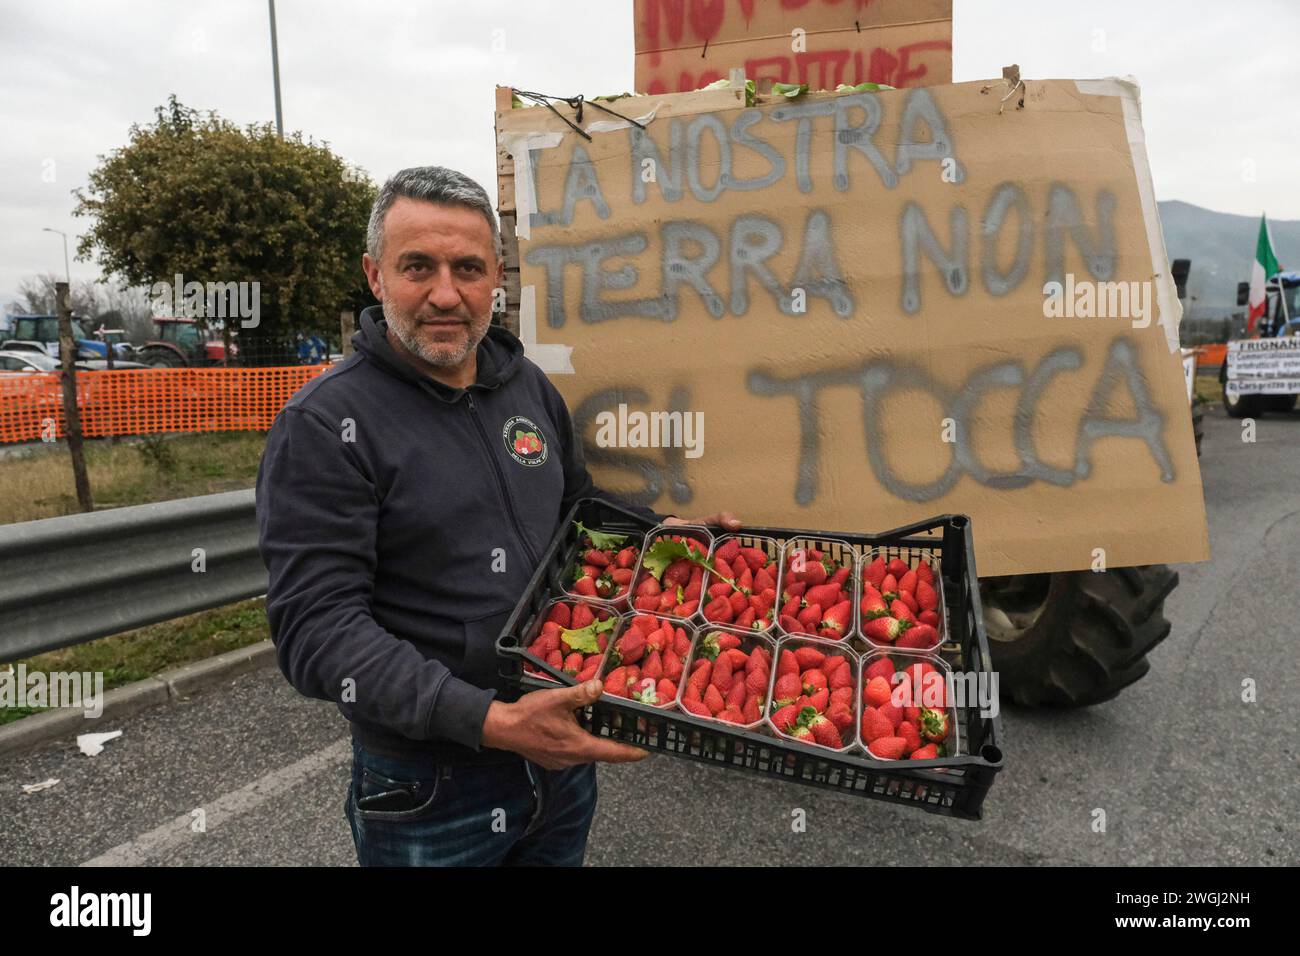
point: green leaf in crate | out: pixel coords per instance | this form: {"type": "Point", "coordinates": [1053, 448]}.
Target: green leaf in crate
{"type": "Point", "coordinates": [601, 539]}
{"type": "Point", "coordinates": [583, 639]}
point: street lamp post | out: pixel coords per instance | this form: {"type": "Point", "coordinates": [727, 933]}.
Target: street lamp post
{"type": "Point", "coordinates": [67, 274]}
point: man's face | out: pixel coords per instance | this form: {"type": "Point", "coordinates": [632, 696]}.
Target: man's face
{"type": "Point", "coordinates": [435, 276]}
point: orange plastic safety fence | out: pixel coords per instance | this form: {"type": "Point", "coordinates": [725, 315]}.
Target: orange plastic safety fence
{"type": "Point", "coordinates": [149, 401]}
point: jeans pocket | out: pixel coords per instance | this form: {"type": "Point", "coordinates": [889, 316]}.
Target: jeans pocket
{"type": "Point", "coordinates": [378, 798]}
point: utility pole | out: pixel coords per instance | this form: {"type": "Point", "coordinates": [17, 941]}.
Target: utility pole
{"type": "Point", "coordinates": [71, 414]}
{"type": "Point", "coordinates": [275, 73]}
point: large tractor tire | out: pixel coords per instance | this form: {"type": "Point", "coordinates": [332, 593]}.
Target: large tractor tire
{"type": "Point", "coordinates": [1074, 638]}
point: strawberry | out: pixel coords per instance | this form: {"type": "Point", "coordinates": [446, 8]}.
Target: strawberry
{"type": "Point", "coordinates": [873, 605]}
{"type": "Point", "coordinates": [928, 752]}
{"type": "Point", "coordinates": [560, 615]}
{"type": "Point", "coordinates": [888, 748]}
{"type": "Point", "coordinates": [929, 617]}
{"type": "Point", "coordinates": [813, 681]}
{"type": "Point", "coordinates": [900, 610]}
{"type": "Point", "coordinates": [653, 666]}
{"type": "Point", "coordinates": [925, 573]}
{"type": "Point", "coordinates": [785, 717]}
{"type": "Point", "coordinates": [713, 700]}
{"type": "Point", "coordinates": [809, 616]}
{"type": "Point", "coordinates": [599, 558]}
{"type": "Point", "coordinates": [893, 712]}
{"type": "Point", "coordinates": [875, 572]}
{"type": "Point", "coordinates": [788, 688]}
{"type": "Point", "coordinates": [788, 663]}
{"type": "Point", "coordinates": [802, 732]}
{"type": "Point", "coordinates": [735, 697]}
{"type": "Point", "coordinates": [909, 733]}
{"type": "Point", "coordinates": [585, 586]}
{"type": "Point", "coordinates": [754, 557]}
{"type": "Point", "coordinates": [875, 725]}
{"type": "Point", "coordinates": [841, 696]}
{"type": "Point", "coordinates": [589, 670]}
{"type": "Point", "coordinates": [727, 551]}
{"type": "Point", "coordinates": [795, 590]}
{"type": "Point", "coordinates": [876, 692]}
{"type": "Point", "coordinates": [626, 558]}
{"type": "Point", "coordinates": [722, 668]}
{"type": "Point", "coordinates": [555, 659]}
{"type": "Point", "coordinates": [919, 635]}
{"type": "Point", "coordinates": [790, 625]}
{"type": "Point", "coordinates": [700, 675]}
{"type": "Point", "coordinates": [582, 617]}
{"type": "Point", "coordinates": [840, 578]}
{"type": "Point", "coordinates": [573, 663]}
{"type": "Point", "coordinates": [696, 706]}
{"type": "Point", "coordinates": [907, 581]}
{"type": "Point", "coordinates": [631, 647]}
{"type": "Point", "coordinates": [752, 712]}
{"type": "Point", "coordinates": [883, 667]}
{"type": "Point", "coordinates": [934, 725]}
{"type": "Point", "coordinates": [840, 677]}
{"type": "Point", "coordinates": [756, 681]}
{"type": "Point", "coordinates": [841, 717]}
{"type": "Point", "coordinates": [681, 643]}
{"type": "Point", "coordinates": [616, 682]}
{"type": "Point", "coordinates": [882, 630]}
{"type": "Point", "coordinates": [817, 700]}
{"type": "Point", "coordinates": [748, 619]}
{"type": "Point", "coordinates": [898, 567]}
{"type": "Point", "coordinates": [839, 617]}
{"type": "Point", "coordinates": [809, 657]}
{"type": "Point", "coordinates": [825, 732]}
{"type": "Point", "coordinates": [672, 664]}
{"type": "Point", "coordinates": [719, 610]}
{"type": "Point", "coordinates": [648, 588]}
{"type": "Point", "coordinates": [823, 594]}
{"type": "Point", "coordinates": [731, 715]}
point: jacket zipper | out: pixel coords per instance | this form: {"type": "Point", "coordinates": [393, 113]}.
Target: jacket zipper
{"type": "Point", "coordinates": [501, 481]}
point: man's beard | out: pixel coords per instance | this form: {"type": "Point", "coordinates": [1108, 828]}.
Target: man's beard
{"type": "Point", "coordinates": [407, 330]}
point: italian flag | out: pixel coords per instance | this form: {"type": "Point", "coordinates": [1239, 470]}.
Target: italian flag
{"type": "Point", "coordinates": [1265, 266]}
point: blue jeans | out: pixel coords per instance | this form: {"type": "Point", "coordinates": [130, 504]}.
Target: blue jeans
{"type": "Point", "coordinates": [418, 813]}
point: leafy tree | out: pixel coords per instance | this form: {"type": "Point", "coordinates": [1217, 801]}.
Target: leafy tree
{"type": "Point", "coordinates": [194, 195]}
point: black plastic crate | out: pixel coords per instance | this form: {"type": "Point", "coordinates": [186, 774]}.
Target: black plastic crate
{"type": "Point", "coordinates": [952, 786]}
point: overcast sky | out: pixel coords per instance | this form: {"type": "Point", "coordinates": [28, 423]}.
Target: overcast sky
{"type": "Point", "coordinates": [391, 84]}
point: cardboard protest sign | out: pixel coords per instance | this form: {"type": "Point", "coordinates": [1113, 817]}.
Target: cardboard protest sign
{"type": "Point", "coordinates": [1263, 367]}
{"type": "Point", "coordinates": [686, 44]}
{"type": "Point", "coordinates": [848, 312]}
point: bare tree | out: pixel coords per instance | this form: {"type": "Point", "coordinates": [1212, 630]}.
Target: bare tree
{"type": "Point", "coordinates": [114, 307]}
{"type": "Point", "coordinates": [36, 295]}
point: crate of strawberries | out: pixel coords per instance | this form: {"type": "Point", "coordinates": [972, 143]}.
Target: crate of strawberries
{"type": "Point", "coordinates": [823, 659]}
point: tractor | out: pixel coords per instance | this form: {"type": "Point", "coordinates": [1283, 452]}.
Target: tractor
{"type": "Point", "coordinates": [182, 344]}
{"type": "Point", "coordinates": [1281, 318]}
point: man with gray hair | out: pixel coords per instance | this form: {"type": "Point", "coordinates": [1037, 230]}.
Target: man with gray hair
{"type": "Point", "coordinates": [400, 522]}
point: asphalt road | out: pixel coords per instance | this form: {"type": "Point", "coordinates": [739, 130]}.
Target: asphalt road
{"type": "Point", "coordinates": [1187, 773]}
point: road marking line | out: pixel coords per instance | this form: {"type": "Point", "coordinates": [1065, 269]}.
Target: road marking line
{"type": "Point", "coordinates": [166, 838]}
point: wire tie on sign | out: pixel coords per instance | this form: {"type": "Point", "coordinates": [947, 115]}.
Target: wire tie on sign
{"type": "Point", "coordinates": [575, 103]}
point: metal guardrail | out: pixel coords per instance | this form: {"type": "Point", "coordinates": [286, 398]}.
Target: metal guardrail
{"type": "Point", "coordinates": [75, 578]}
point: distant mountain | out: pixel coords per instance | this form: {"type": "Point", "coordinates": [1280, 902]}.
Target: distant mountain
{"type": "Point", "coordinates": [1222, 247]}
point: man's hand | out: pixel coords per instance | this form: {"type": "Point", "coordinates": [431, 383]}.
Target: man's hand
{"type": "Point", "coordinates": [540, 727]}
{"type": "Point", "coordinates": [724, 519]}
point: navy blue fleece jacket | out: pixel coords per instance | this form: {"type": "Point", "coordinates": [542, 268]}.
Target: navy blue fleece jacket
{"type": "Point", "coordinates": [382, 500]}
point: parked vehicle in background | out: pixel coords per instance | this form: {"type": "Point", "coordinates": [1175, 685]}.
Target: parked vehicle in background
{"type": "Point", "coordinates": [182, 344]}
{"type": "Point", "coordinates": [1251, 394]}
{"type": "Point", "coordinates": [44, 331]}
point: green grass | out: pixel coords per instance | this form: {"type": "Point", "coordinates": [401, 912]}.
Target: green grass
{"type": "Point", "coordinates": [129, 472]}
{"type": "Point", "coordinates": [135, 655]}
{"type": "Point", "coordinates": [1209, 389]}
